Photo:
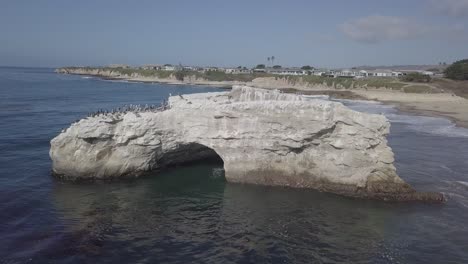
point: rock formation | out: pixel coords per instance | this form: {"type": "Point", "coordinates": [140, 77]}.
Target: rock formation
{"type": "Point", "coordinates": [262, 136]}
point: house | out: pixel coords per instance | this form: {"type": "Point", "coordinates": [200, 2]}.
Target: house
{"type": "Point", "coordinates": [259, 70]}
{"type": "Point", "coordinates": [428, 73]}
{"type": "Point", "coordinates": [119, 66]}
{"type": "Point", "coordinates": [168, 67]}
{"type": "Point", "coordinates": [213, 69]}
{"type": "Point", "coordinates": [330, 73]}
{"type": "Point", "coordinates": [319, 72]}
{"type": "Point", "coordinates": [188, 68]}
{"type": "Point", "coordinates": [347, 74]}
{"type": "Point", "coordinates": [380, 73]}
{"type": "Point", "coordinates": [151, 67]}
{"type": "Point", "coordinates": [405, 72]}
{"type": "Point", "coordinates": [237, 70]}
{"type": "Point", "coordinates": [363, 74]}
{"type": "Point", "coordinates": [287, 71]}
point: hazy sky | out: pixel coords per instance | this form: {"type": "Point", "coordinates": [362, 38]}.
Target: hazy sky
{"type": "Point", "coordinates": [333, 33]}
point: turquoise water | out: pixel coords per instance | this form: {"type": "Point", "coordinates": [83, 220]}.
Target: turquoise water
{"type": "Point", "coordinates": [191, 215]}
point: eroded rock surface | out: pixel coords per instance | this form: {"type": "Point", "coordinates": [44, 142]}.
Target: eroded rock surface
{"type": "Point", "coordinates": [262, 136]}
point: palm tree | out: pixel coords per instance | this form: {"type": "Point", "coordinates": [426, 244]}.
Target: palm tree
{"type": "Point", "coordinates": [268, 59]}
{"type": "Point", "coordinates": [272, 59]}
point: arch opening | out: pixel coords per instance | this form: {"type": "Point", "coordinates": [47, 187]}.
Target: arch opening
{"type": "Point", "coordinates": [189, 154]}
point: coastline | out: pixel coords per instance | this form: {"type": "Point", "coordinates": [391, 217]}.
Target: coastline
{"type": "Point", "coordinates": [224, 84]}
{"type": "Point", "coordinates": [445, 105]}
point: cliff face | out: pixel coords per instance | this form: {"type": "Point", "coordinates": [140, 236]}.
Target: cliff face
{"type": "Point", "coordinates": [111, 74]}
{"type": "Point", "coordinates": [107, 73]}
{"type": "Point", "coordinates": [278, 82]}
{"type": "Point", "coordinates": [263, 137]}
{"type": "Point", "coordinates": [283, 82]}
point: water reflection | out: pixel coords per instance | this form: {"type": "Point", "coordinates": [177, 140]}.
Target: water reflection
{"type": "Point", "coordinates": [190, 214]}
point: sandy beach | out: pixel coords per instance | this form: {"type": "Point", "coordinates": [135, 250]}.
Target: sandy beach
{"type": "Point", "coordinates": [440, 104]}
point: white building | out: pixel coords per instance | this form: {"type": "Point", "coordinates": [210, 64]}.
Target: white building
{"type": "Point", "coordinates": [125, 66]}
{"type": "Point", "coordinates": [213, 69]}
{"type": "Point", "coordinates": [237, 71]}
{"type": "Point", "coordinates": [287, 71]}
{"type": "Point", "coordinates": [380, 73]}
{"type": "Point", "coordinates": [151, 67]}
{"type": "Point", "coordinates": [188, 68]}
{"type": "Point", "coordinates": [259, 70]}
{"type": "Point", "coordinates": [347, 73]}
{"type": "Point", "coordinates": [168, 67]}
{"type": "Point", "coordinates": [405, 72]}
{"type": "Point", "coordinates": [428, 73]}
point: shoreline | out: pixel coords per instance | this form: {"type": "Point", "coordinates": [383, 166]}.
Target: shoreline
{"type": "Point", "coordinates": [223, 84]}
{"type": "Point", "coordinates": [442, 105]}
{"type": "Point", "coordinates": [411, 109]}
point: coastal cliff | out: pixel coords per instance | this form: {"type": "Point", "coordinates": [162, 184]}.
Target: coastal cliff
{"type": "Point", "coordinates": [149, 76]}
{"type": "Point", "coordinates": [262, 137]}
{"type": "Point", "coordinates": [258, 80]}
{"type": "Point", "coordinates": [265, 81]}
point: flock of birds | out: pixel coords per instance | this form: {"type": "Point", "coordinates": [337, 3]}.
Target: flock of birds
{"type": "Point", "coordinates": [131, 108]}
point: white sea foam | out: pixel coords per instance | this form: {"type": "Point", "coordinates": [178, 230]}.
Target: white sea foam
{"type": "Point", "coordinates": [217, 173]}
{"type": "Point", "coordinates": [323, 97]}
{"type": "Point", "coordinates": [424, 124]}
{"type": "Point", "coordinates": [464, 183]}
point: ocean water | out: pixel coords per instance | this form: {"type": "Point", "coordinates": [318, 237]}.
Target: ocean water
{"type": "Point", "coordinates": [191, 215]}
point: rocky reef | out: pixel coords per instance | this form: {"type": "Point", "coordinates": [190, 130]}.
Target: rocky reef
{"type": "Point", "coordinates": [262, 136]}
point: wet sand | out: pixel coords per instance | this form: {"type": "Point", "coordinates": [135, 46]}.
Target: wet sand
{"type": "Point", "coordinates": [439, 105]}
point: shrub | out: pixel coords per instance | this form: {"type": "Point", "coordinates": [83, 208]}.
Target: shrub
{"type": "Point", "coordinates": [179, 75]}
{"type": "Point", "coordinates": [416, 77]}
{"type": "Point", "coordinates": [458, 70]}
{"type": "Point", "coordinates": [417, 89]}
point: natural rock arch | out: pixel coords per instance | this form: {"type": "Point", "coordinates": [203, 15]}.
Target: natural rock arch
{"type": "Point", "coordinates": [263, 137]}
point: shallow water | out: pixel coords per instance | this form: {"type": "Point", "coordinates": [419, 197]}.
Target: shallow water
{"type": "Point", "coordinates": [190, 214]}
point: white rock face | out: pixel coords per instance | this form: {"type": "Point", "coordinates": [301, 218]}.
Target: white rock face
{"type": "Point", "coordinates": [262, 136]}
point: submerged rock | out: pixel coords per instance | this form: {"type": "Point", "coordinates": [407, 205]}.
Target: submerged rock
{"type": "Point", "coordinates": [262, 136]}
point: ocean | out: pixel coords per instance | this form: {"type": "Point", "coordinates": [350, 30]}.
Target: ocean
{"type": "Point", "coordinates": [190, 214]}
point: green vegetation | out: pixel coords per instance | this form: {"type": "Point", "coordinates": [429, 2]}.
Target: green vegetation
{"type": "Point", "coordinates": [142, 72]}
{"type": "Point", "coordinates": [277, 67]}
{"type": "Point", "coordinates": [434, 70]}
{"type": "Point", "coordinates": [459, 88]}
{"type": "Point", "coordinates": [457, 71]}
{"type": "Point", "coordinates": [218, 76]}
{"type": "Point", "coordinates": [416, 77]}
{"type": "Point", "coordinates": [179, 75]}
{"type": "Point", "coordinates": [417, 89]}
{"type": "Point", "coordinates": [389, 83]}
{"type": "Point", "coordinates": [307, 67]}
{"type": "Point", "coordinates": [260, 66]}
{"type": "Point", "coordinates": [347, 83]}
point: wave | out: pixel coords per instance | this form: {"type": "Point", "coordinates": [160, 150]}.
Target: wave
{"type": "Point", "coordinates": [437, 126]}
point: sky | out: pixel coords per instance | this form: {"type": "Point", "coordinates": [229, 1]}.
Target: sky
{"type": "Point", "coordinates": [333, 33]}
